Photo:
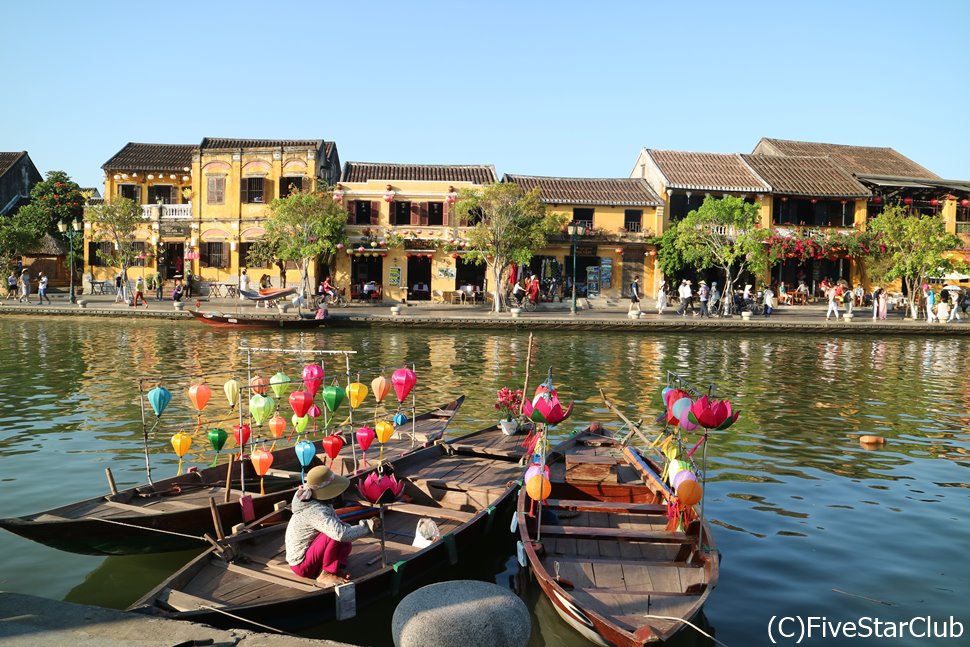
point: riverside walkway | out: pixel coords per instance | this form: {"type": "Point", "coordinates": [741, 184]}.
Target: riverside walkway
{"type": "Point", "coordinates": [596, 315]}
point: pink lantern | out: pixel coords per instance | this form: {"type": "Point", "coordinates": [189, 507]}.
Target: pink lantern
{"type": "Point", "coordinates": [312, 378]}
{"type": "Point", "coordinates": [403, 380]}
{"type": "Point", "coordinates": [313, 411]}
{"type": "Point", "coordinates": [365, 436]}
{"type": "Point", "coordinates": [383, 488]}
{"type": "Point", "coordinates": [389, 196]}
{"type": "Point", "coordinates": [907, 201]}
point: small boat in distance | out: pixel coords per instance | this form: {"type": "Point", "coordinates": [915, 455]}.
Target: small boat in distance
{"type": "Point", "coordinates": [257, 322]}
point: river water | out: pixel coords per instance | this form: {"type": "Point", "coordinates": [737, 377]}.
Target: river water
{"type": "Point", "coordinates": [809, 523]}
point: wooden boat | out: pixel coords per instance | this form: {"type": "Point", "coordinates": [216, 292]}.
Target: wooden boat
{"type": "Point", "coordinates": [255, 322]}
{"type": "Point", "coordinates": [174, 513]}
{"type": "Point", "coordinates": [463, 485]}
{"type": "Point", "coordinates": [267, 294]}
{"type": "Point", "coordinates": [610, 568]}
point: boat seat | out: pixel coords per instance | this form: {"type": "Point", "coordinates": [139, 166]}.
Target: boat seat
{"type": "Point", "coordinates": [431, 511]}
{"type": "Point", "coordinates": [581, 532]}
{"type": "Point", "coordinates": [184, 601]}
{"type": "Point", "coordinates": [606, 506]}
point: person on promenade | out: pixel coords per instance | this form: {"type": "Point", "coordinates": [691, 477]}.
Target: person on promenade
{"type": "Point", "coordinates": [954, 305]}
{"type": "Point", "coordinates": [661, 297]}
{"type": "Point", "coordinates": [318, 543]}
{"type": "Point", "coordinates": [703, 294]}
{"type": "Point", "coordinates": [783, 295]}
{"type": "Point", "coordinates": [25, 285]}
{"type": "Point", "coordinates": [634, 295]}
{"type": "Point", "coordinates": [119, 294]}
{"type": "Point", "coordinates": [243, 283]}
{"type": "Point", "coordinates": [847, 299]}
{"type": "Point", "coordinates": [943, 310]}
{"type": "Point", "coordinates": [159, 292]}
{"type": "Point", "coordinates": [187, 284]}
{"type": "Point", "coordinates": [177, 291]}
{"type": "Point", "coordinates": [875, 302]}
{"type": "Point", "coordinates": [883, 301]}
{"type": "Point", "coordinates": [12, 285]}
{"type": "Point", "coordinates": [769, 297]}
{"type": "Point", "coordinates": [929, 298]}
{"type": "Point", "coordinates": [715, 301]}
{"type": "Point", "coordinates": [42, 289]}
{"type": "Point", "coordinates": [686, 299]}
{"type": "Point", "coordinates": [833, 299]}
{"type": "Point", "coordinates": [140, 291]}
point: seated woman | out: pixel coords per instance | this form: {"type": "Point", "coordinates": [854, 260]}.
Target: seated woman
{"type": "Point", "coordinates": [783, 295]}
{"type": "Point", "coordinates": [317, 541]}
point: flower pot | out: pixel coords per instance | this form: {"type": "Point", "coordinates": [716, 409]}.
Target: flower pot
{"type": "Point", "coordinates": [178, 305]}
{"type": "Point", "coordinates": [746, 315]}
{"type": "Point", "coordinates": [283, 307]}
{"type": "Point", "coordinates": [509, 427]}
{"type": "Point", "coordinates": [515, 312]}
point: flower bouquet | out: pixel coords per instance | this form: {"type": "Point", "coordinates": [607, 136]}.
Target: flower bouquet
{"type": "Point", "coordinates": [509, 402]}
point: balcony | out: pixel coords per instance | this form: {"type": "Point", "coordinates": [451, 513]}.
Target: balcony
{"type": "Point", "coordinates": [167, 211]}
{"type": "Point", "coordinates": [799, 231]}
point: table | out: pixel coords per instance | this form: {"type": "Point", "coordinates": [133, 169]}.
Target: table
{"type": "Point", "coordinates": [799, 298]}
{"type": "Point", "coordinates": [216, 290]}
{"type": "Point", "coordinates": [102, 287]}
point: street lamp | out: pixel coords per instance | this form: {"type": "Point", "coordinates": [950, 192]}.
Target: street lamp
{"type": "Point", "coordinates": [575, 229]}
{"type": "Point", "coordinates": [70, 232]}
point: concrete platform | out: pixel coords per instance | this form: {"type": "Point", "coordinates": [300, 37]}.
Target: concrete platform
{"type": "Point", "coordinates": [30, 621]}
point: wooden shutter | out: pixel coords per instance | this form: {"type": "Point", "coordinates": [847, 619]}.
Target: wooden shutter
{"type": "Point", "coordinates": [243, 193]}
{"type": "Point", "coordinates": [375, 212]}
{"type": "Point", "coordinates": [422, 213]}
{"type": "Point", "coordinates": [445, 214]}
{"type": "Point", "coordinates": [415, 213]}
{"type": "Point", "coordinates": [268, 188]}
{"type": "Point", "coordinates": [304, 184]}
{"type": "Point", "coordinates": [174, 194]}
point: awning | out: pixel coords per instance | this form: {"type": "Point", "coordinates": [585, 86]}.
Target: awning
{"type": "Point", "coordinates": [215, 235]}
{"type": "Point", "coordinates": [251, 234]}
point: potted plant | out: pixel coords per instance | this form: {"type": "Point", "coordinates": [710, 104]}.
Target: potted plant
{"type": "Point", "coordinates": [509, 402]}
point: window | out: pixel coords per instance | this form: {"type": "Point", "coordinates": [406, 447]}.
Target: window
{"type": "Point", "coordinates": [103, 259]}
{"type": "Point", "coordinates": [290, 185]}
{"type": "Point", "coordinates": [252, 190]}
{"type": "Point", "coordinates": [162, 194]}
{"type": "Point", "coordinates": [244, 259]}
{"type": "Point", "coordinates": [130, 191]}
{"type": "Point", "coordinates": [214, 255]}
{"type": "Point", "coordinates": [633, 220]}
{"type": "Point", "coordinates": [362, 211]}
{"type": "Point", "coordinates": [584, 216]}
{"type": "Point", "coordinates": [436, 213]}
{"type": "Point", "coordinates": [400, 213]}
{"type": "Point", "coordinates": [474, 217]}
{"type": "Point", "coordinates": [216, 190]}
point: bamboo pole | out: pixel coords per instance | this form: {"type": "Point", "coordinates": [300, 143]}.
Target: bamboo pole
{"type": "Point", "coordinates": [528, 367]}
{"type": "Point", "coordinates": [216, 520]}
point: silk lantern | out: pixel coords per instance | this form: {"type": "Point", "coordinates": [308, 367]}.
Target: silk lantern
{"type": "Point", "coordinates": [356, 393]}
{"type": "Point", "coordinates": [380, 386]}
{"type": "Point", "coordinates": [199, 395]}
{"type": "Point", "coordinates": [260, 407]}
{"type": "Point", "coordinates": [158, 398]}
{"type": "Point", "coordinates": [231, 389]}
{"type": "Point", "coordinates": [299, 423]}
{"type": "Point", "coordinates": [300, 401]}
{"type": "Point", "coordinates": [261, 460]}
{"type": "Point", "coordinates": [332, 445]}
{"type": "Point", "coordinates": [259, 384]}
{"type": "Point", "coordinates": [312, 378]}
{"type": "Point", "coordinates": [332, 397]}
{"type": "Point", "coordinates": [181, 443]}
{"type": "Point", "coordinates": [277, 425]}
{"type": "Point", "coordinates": [403, 380]}
{"type": "Point", "coordinates": [280, 383]}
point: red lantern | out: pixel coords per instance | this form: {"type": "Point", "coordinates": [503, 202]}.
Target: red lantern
{"type": "Point", "coordinates": [964, 202]}
{"type": "Point", "coordinates": [241, 432]}
{"type": "Point", "coordinates": [907, 201]}
{"type": "Point", "coordinates": [877, 200]}
{"type": "Point", "coordinates": [300, 401]}
{"type": "Point", "coordinates": [332, 445]}
{"type": "Point", "coordinates": [389, 197]}
{"type": "Point", "coordinates": [934, 202]}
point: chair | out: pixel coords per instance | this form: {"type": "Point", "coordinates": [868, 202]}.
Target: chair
{"type": "Point", "coordinates": [355, 292]}
{"type": "Point", "coordinates": [378, 294]}
{"type": "Point", "coordinates": [457, 297]}
{"type": "Point", "coordinates": [437, 296]}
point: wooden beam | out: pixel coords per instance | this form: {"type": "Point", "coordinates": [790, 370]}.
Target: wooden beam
{"type": "Point", "coordinates": [579, 532]}
{"type": "Point", "coordinates": [606, 506]}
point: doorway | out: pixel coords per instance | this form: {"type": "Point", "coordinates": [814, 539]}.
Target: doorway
{"type": "Point", "coordinates": [419, 278]}
{"type": "Point", "coordinates": [173, 264]}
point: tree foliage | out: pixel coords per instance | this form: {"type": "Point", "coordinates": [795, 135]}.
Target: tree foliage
{"type": "Point", "coordinates": [51, 200]}
{"type": "Point", "coordinates": [116, 223]}
{"type": "Point", "coordinates": [916, 248]}
{"type": "Point", "coordinates": [302, 227]}
{"type": "Point", "coordinates": [511, 224]}
{"type": "Point", "coordinates": [723, 233]}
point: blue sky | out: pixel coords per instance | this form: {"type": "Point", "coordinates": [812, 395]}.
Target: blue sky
{"type": "Point", "coordinates": [543, 88]}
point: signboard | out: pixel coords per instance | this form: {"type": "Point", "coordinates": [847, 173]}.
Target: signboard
{"type": "Point", "coordinates": [174, 228]}
{"type": "Point", "coordinates": [606, 273]}
{"type": "Point", "coordinates": [592, 281]}
{"type": "Point", "coordinates": [394, 277]}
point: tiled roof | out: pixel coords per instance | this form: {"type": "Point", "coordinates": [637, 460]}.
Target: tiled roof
{"type": "Point", "coordinates": [706, 171]}
{"type": "Point", "coordinates": [364, 171]}
{"type": "Point", "coordinates": [150, 157]}
{"type": "Point", "coordinates": [9, 159]}
{"type": "Point", "coordinates": [582, 190]}
{"type": "Point", "coordinates": [815, 176]}
{"type": "Point", "coordinates": [223, 143]}
{"type": "Point", "coordinates": [858, 160]}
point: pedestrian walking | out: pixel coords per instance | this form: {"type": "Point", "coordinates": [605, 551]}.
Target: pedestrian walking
{"type": "Point", "coordinates": [140, 292]}
{"type": "Point", "coordinates": [662, 297]}
{"type": "Point", "coordinates": [703, 294]}
{"type": "Point", "coordinates": [159, 293]}
{"type": "Point", "coordinates": [929, 298]}
{"type": "Point", "coordinates": [833, 299]}
{"type": "Point", "coordinates": [42, 289]}
{"type": "Point", "coordinates": [12, 285]}
{"type": "Point", "coordinates": [119, 292]}
{"type": "Point", "coordinates": [714, 304]}
{"type": "Point", "coordinates": [769, 297]}
{"type": "Point", "coordinates": [635, 295]}
{"type": "Point", "coordinates": [24, 285]}
{"type": "Point", "coordinates": [954, 305]}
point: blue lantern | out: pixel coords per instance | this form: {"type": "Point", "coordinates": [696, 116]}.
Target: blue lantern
{"type": "Point", "coordinates": [400, 419]}
{"type": "Point", "coordinates": [159, 397]}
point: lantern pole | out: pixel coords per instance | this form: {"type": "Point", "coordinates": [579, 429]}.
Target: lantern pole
{"type": "Point", "coordinates": [543, 445]}
{"type": "Point", "coordinates": [353, 434]}
{"type": "Point", "coordinates": [414, 407]}
{"type": "Point", "coordinates": [144, 429]}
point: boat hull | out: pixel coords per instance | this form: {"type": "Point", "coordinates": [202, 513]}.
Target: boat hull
{"type": "Point", "coordinates": [267, 322]}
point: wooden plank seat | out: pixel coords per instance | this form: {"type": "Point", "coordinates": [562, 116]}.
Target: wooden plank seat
{"type": "Point", "coordinates": [184, 601]}
{"type": "Point", "coordinates": [579, 505]}
{"type": "Point", "coordinates": [659, 594]}
{"type": "Point", "coordinates": [472, 450]}
{"type": "Point", "coordinates": [580, 532]}
{"type": "Point", "coordinates": [431, 511]}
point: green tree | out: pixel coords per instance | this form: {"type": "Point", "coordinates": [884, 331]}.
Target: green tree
{"type": "Point", "coordinates": [301, 228]}
{"type": "Point", "coordinates": [17, 235]}
{"type": "Point", "coordinates": [916, 248]}
{"type": "Point", "coordinates": [115, 223]}
{"type": "Point", "coordinates": [723, 233]}
{"type": "Point", "coordinates": [54, 199]}
{"type": "Point", "coordinates": [510, 224]}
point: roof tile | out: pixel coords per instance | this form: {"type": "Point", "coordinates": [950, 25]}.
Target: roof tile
{"type": "Point", "coordinates": [224, 142]}
{"type": "Point", "coordinates": [707, 171]}
{"type": "Point", "coordinates": [858, 160]}
{"type": "Point", "coordinates": [9, 159]}
{"type": "Point", "coordinates": [364, 171]}
{"type": "Point", "coordinates": [816, 176]}
{"type": "Point", "coordinates": [596, 191]}
{"type": "Point", "coordinates": [151, 157]}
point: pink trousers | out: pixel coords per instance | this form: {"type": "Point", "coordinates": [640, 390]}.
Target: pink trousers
{"type": "Point", "coordinates": [323, 555]}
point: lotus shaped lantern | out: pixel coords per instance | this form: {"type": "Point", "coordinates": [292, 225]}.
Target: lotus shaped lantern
{"type": "Point", "coordinates": [712, 414]}
{"type": "Point", "coordinates": [545, 406]}
{"type": "Point", "coordinates": [380, 488]}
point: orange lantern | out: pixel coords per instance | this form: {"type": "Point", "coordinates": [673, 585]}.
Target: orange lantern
{"type": "Point", "coordinates": [199, 395]}
{"type": "Point", "coordinates": [262, 460]}
{"type": "Point", "coordinates": [538, 487]}
{"type": "Point", "coordinates": [381, 387]}
{"type": "Point", "coordinates": [277, 424]}
{"type": "Point", "coordinates": [689, 493]}
{"type": "Point", "coordinates": [259, 384]}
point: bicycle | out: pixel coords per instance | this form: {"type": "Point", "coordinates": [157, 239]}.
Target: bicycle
{"type": "Point", "coordinates": [335, 299]}
{"type": "Point", "coordinates": [525, 303]}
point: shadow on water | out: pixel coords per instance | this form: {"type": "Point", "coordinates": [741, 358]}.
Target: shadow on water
{"type": "Point", "coordinates": [808, 521]}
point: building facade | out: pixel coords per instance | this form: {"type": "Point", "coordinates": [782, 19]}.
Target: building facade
{"type": "Point", "coordinates": [18, 175]}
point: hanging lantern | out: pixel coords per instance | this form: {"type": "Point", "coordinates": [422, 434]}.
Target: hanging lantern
{"type": "Point", "coordinates": [158, 398]}
{"type": "Point", "coordinates": [381, 387]}
{"type": "Point", "coordinates": [241, 434]}
{"type": "Point", "coordinates": [259, 384]}
{"type": "Point", "coordinates": [332, 445]}
{"type": "Point", "coordinates": [312, 378]}
{"type": "Point", "coordinates": [305, 452]}
{"type": "Point", "coordinates": [384, 431]}
{"type": "Point", "coordinates": [356, 393]}
{"type": "Point", "coordinates": [260, 407]}
{"type": "Point", "coordinates": [332, 397]}
{"type": "Point", "coordinates": [231, 387]}
{"type": "Point", "coordinates": [689, 493]}
{"type": "Point", "coordinates": [400, 419]}
{"type": "Point", "coordinates": [313, 411]}
{"type": "Point", "coordinates": [907, 201]}
{"type": "Point", "coordinates": [261, 460]}
{"type": "Point", "coordinates": [181, 443]}
{"type": "Point", "coordinates": [365, 436]}
{"type": "Point", "coordinates": [217, 438]}
{"type": "Point", "coordinates": [404, 380]}
{"type": "Point", "coordinates": [965, 202]}
{"type": "Point", "coordinates": [280, 384]}
{"type": "Point", "coordinates": [300, 401]}
{"type": "Point", "coordinates": [538, 487]}
{"type": "Point", "coordinates": [299, 423]}
{"type": "Point", "coordinates": [277, 425]}
{"type": "Point", "coordinates": [389, 196]}
{"type": "Point", "coordinates": [199, 395]}
{"type": "Point", "coordinates": [934, 202]}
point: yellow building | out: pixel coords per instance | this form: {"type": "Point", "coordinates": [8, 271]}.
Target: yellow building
{"type": "Point", "coordinates": [204, 205]}
{"type": "Point", "coordinates": [404, 238]}
{"type": "Point", "coordinates": [618, 218]}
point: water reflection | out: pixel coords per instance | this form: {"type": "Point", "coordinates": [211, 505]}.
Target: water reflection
{"type": "Point", "coordinates": [800, 507]}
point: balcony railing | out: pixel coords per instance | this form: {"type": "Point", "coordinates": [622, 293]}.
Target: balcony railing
{"type": "Point", "coordinates": [963, 227]}
{"type": "Point", "coordinates": [798, 231]}
{"type": "Point", "coordinates": [169, 211]}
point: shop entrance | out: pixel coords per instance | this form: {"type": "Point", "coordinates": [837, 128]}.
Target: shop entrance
{"type": "Point", "coordinates": [419, 278]}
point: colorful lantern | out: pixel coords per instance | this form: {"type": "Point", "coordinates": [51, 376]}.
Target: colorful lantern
{"type": "Point", "coordinates": [965, 202]}
{"type": "Point", "coordinates": [689, 493]}
{"type": "Point", "coordinates": [159, 397]}
{"type": "Point", "coordinates": [217, 438]}
{"type": "Point", "coordinates": [356, 393]}
{"type": "Point", "coordinates": [313, 411]}
{"type": "Point", "coordinates": [365, 436]}
{"type": "Point", "coordinates": [332, 445]}
{"type": "Point", "coordinates": [538, 487]}
{"type": "Point", "coordinates": [260, 407]}
{"type": "Point", "coordinates": [384, 431]}
{"type": "Point", "coordinates": [299, 423]}
{"type": "Point", "coordinates": [259, 384]}
{"type": "Point", "coordinates": [181, 443]}
{"type": "Point", "coordinates": [277, 425]}
{"type": "Point", "coordinates": [300, 402]}
{"type": "Point", "coordinates": [332, 397]}
{"type": "Point", "coordinates": [380, 488]}
{"type": "Point", "coordinates": [241, 434]}
{"type": "Point", "coordinates": [711, 413]}
{"type": "Point", "coordinates": [312, 378]}
{"type": "Point", "coordinates": [280, 384]}
{"type": "Point", "coordinates": [305, 452]}
{"type": "Point", "coordinates": [907, 201]}
{"type": "Point", "coordinates": [261, 460]}
{"type": "Point", "coordinates": [400, 419]}
{"type": "Point", "coordinates": [403, 380]}
{"type": "Point", "coordinates": [199, 395]}
{"type": "Point", "coordinates": [680, 477]}
{"type": "Point", "coordinates": [545, 406]}
{"type": "Point", "coordinates": [380, 386]}
{"type": "Point", "coordinates": [231, 388]}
